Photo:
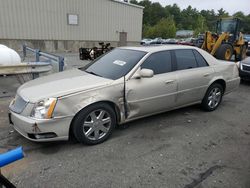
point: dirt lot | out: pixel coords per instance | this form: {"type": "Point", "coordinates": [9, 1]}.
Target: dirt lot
{"type": "Point", "coordinates": [186, 148]}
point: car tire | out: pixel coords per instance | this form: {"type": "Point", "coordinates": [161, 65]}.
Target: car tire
{"type": "Point", "coordinates": [94, 124]}
{"type": "Point", "coordinates": [213, 97]}
{"type": "Point", "coordinates": [224, 52]}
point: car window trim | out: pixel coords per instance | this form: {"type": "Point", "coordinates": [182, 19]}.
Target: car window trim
{"type": "Point", "coordinates": [197, 60]}
{"type": "Point", "coordinates": [174, 61]}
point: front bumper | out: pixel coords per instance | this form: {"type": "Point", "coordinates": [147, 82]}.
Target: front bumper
{"type": "Point", "coordinates": [41, 130]}
{"type": "Point", "coordinates": [244, 74]}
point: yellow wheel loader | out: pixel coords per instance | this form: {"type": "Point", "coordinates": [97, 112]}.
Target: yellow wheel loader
{"type": "Point", "coordinates": [227, 41]}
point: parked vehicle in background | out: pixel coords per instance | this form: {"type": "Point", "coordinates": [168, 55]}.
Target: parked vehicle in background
{"type": "Point", "coordinates": [171, 41]}
{"type": "Point", "coordinates": [125, 84]}
{"type": "Point", "coordinates": [227, 41]}
{"type": "Point", "coordinates": [247, 39]}
{"type": "Point", "coordinates": [157, 41]}
{"type": "Point", "coordinates": [199, 40]}
{"type": "Point", "coordinates": [146, 41]}
{"type": "Point", "coordinates": [187, 41]}
{"type": "Point", "coordinates": [244, 69]}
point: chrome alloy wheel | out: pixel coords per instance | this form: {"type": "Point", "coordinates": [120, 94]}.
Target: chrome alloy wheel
{"type": "Point", "coordinates": [214, 97]}
{"type": "Point", "coordinates": [97, 124]}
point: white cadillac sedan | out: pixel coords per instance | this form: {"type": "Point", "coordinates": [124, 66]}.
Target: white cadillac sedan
{"type": "Point", "coordinates": [123, 85]}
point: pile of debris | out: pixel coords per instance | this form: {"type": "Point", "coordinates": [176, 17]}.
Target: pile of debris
{"type": "Point", "coordinates": [93, 53]}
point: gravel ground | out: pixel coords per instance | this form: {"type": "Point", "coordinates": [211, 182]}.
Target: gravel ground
{"type": "Point", "coordinates": [186, 148]}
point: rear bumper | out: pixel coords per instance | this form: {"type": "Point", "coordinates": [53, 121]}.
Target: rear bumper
{"type": "Point", "coordinates": [41, 130]}
{"type": "Point", "coordinates": [232, 85]}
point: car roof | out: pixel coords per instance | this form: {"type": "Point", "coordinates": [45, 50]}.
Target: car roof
{"type": "Point", "coordinates": [156, 48]}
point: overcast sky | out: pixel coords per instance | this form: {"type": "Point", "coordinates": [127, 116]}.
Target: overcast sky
{"type": "Point", "coordinates": [230, 6]}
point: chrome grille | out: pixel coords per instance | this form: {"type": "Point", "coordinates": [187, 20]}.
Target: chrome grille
{"type": "Point", "coordinates": [18, 104]}
{"type": "Point", "coordinates": [246, 67]}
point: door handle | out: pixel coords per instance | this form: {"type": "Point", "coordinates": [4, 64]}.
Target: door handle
{"type": "Point", "coordinates": [169, 81]}
{"type": "Point", "coordinates": [206, 75]}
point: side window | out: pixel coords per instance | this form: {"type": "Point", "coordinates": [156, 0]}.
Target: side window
{"type": "Point", "coordinates": [185, 59]}
{"type": "Point", "coordinates": [159, 62]}
{"type": "Point", "coordinates": [200, 60]}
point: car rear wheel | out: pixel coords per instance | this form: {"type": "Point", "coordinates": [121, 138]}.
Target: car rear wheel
{"type": "Point", "coordinates": [94, 124]}
{"type": "Point", "coordinates": [213, 97]}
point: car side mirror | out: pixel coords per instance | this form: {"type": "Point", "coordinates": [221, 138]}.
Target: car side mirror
{"type": "Point", "coordinates": [146, 73]}
{"type": "Point", "coordinates": [143, 73]}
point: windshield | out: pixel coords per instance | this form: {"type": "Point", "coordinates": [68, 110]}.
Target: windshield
{"type": "Point", "coordinates": [115, 64]}
{"type": "Point", "coordinates": [247, 37]}
{"type": "Point", "coordinates": [227, 26]}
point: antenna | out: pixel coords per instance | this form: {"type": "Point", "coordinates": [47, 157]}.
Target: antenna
{"type": "Point", "coordinates": [125, 99]}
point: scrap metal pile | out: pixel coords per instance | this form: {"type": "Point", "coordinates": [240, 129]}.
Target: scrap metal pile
{"type": "Point", "coordinates": [93, 53]}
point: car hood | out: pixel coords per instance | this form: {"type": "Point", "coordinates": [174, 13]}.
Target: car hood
{"type": "Point", "coordinates": [246, 61]}
{"type": "Point", "coordinates": [60, 84]}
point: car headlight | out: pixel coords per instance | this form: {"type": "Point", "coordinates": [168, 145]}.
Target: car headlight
{"type": "Point", "coordinates": [44, 108]}
{"type": "Point", "coordinates": [238, 64]}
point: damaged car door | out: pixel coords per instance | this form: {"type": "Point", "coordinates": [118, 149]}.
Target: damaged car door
{"type": "Point", "coordinates": [193, 75]}
{"type": "Point", "coordinates": [152, 94]}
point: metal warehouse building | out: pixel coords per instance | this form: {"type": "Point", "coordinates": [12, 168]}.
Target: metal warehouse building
{"type": "Point", "coordinates": [57, 25]}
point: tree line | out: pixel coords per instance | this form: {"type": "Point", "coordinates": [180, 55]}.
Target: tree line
{"type": "Point", "coordinates": [159, 21]}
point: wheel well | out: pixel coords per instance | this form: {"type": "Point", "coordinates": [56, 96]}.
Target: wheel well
{"type": "Point", "coordinates": [222, 83]}
{"type": "Point", "coordinates": [112, 104]}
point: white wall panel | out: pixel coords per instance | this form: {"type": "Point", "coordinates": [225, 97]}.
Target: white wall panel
{"type": "Point", "coordinates": [47, 20]}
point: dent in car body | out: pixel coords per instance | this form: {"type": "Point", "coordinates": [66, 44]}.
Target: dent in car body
{"type": "Point", "coordinates": [35, 128]}
{"type": "Point", "coordinates": [70, 105]}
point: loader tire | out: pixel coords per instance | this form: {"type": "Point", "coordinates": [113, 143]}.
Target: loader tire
{"type": "Point", "coordinates": [224, 52]}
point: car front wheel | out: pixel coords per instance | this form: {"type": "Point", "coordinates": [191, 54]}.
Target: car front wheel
{"type": "Point", "coordinates": [94, 124]}
{"type": "Point", "coordinates": [213, 97]}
